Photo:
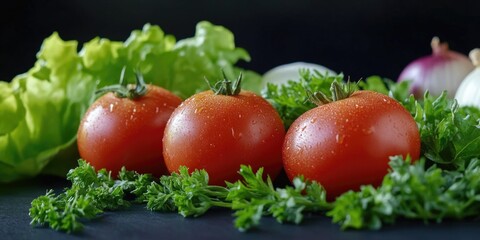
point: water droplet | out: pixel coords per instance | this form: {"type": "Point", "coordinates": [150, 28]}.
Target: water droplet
{"type": "Point", "coordinates": [157, 109]}
{"type": "Point", "coordinates": [339, 138]}
{"type": "Point", "coordinates": [239, 115]}
{"type": "Point", "coordinates": [369, 130]}
{"type": "Point", "coordinates": [356, 106]}
{"type": "Point", "coordinates": [254, 122]}
{"type": "Point", "coordinates": [313, 120]}
{"type": "Point", "coordinates": [199, 110]}
{"type": "Point", "coordinates": [212, 145]}
{"type": "Point", "coordinates": [111, 107]}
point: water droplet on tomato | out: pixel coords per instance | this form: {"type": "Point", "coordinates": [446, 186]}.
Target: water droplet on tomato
{"type": "Point", "coordinates": [111, 107]}
{"type": "Point", "coordinates": [339, 138]}
{"type": "Point", "coordinates": [369, 130]}
{"type": "Point", "coordinates": [239, 115]}
{"type": "Point", "coordinates": [199, 110]}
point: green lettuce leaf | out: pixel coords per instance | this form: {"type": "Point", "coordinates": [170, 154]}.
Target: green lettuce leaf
{"type": "Point", "coordinates": [45, 105]}
{"type": "Point", "coordinates": [11, 106]}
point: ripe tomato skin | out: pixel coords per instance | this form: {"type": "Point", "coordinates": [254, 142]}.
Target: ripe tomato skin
{"type": "Point", "coordinates": [347, 143]}
{"type": "Point", "coordinates": [116, 132]}
{"type": "Point", "coordinates": [218, 133]}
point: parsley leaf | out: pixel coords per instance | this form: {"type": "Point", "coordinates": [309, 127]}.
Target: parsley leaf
{"type": "Point", "coordinates": [450, 134]}
{"type": "Point", "coordinates": [253, 197]}
{"type": "Point", "coordinates": [189, 194]}
{"type": "Point", "coordinates": [291, 100]}
{"type": "Point", "coordinates": [90, 195]}
{"type": "Point", "coordinates": [411, 191]}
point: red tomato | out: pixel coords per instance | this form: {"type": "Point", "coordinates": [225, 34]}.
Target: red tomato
{"type": "Point", "coordinates": [218, 133]}
{"type": "Point", "coordinates": [118, 132]}
{"type": "Point", "coordinates": [347, 143]}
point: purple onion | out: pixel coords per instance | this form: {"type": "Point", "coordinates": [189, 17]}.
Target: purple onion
{"type": "Point", "coordinates": [443, 70]}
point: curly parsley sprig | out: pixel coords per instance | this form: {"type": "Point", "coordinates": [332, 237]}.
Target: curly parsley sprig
{"type": "Point", "coordinates": [414, 192]}
{"type": "Point", "coordinates": [90, 195]}
{"type": "Point", "coordinates": [189, 194]}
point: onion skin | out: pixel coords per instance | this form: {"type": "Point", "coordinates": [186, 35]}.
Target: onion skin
{"type": "Point", "coordinates": [443, 70]}
{"type": "Point", "coordinates": [468, 93]}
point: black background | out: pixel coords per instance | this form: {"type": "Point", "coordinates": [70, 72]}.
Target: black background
{"type": "Point", "coordinates": [358, 38]}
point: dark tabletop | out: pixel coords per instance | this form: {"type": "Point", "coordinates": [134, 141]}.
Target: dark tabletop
{"type": "Point", "coordinates": [139, 223]}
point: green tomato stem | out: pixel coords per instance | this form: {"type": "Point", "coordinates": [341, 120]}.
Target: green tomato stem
{"type": "Point", "coordinates": [226, 87]}
{"type": "Point", "coordinates": [124, 90]}
{"type": "Point", "coordinates": [338, 92]}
